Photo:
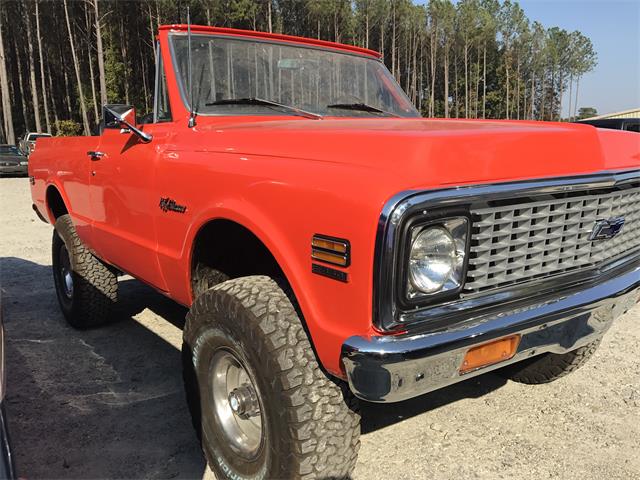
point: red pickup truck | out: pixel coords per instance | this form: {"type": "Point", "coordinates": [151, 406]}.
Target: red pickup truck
{"type": "Point", "coordinates": [332, 245]}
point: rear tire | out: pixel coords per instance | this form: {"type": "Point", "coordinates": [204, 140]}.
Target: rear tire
{"type": "Point", "coordinates": [86, 287]}
{"type": "Point", "coordinates": [299, 422]}
{"type": "Point", "coordinates": [549, 367]}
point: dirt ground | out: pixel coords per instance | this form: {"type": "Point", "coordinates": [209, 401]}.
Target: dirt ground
{"type": "Point", "coordinates": [108, 403]}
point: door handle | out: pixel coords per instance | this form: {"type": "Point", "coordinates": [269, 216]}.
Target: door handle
{"type": "Point", "coordinates": [95, 155]}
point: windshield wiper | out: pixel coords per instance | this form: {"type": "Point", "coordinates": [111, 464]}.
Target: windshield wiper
{"type": "Point", "coordinates": [267, 103]}
{"type": "Point", "coordinates": [362, 107]}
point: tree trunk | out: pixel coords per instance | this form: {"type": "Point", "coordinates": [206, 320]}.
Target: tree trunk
{"type": "Point", "coordinates": [153, 35]}
{"type": "Point", "coordinates": [53, 103]}
{"type": "Point", "coordinates": [560, 97]}
{"type": "Point", "coordinates": [76, 67]}
{"type": "Point", "coordinates": [94, 98]}
{"type": "Point", "coordinates": [532, 101]}
{"type": "Point", "coordinates": [100, 52]}
{"type": "Point", "coordinates": [421, 85]}
{"type": "Point", "coordinates": [455, 84]}
{"type": "Point", "coordinates": [506, 67]}
{"type": "Point", "coordinates": [477, 94]}
{"type": "Point", "coordinates": [432, 92]}
{"type": "Point", "coordinates": [269, 17]}
{"type": "Point", "coordinates": [518, 87]}
{"type": "Point", "coordinates": [61, 70]}
{"type": "Point", "coordinates": [575, 106]}
{"type": "Point", "coordinates": [6, 95]}
{"type": "Point", "coordinates": [544, 96]}
{"type": "Point", "coordinates": [446, 81]}
{"type": "Point", "coordinates": [2, 137]}
{"type": "Point", "coordinates": [23, 103]}
{"type": "Point", "coordinates": [32, 72]}
{"type": "Point", "coordinates": [484, 81]}
{"type": "Point", "coordinates": [570, 94]}
{"type": "Point", "coordinates": [393, 43]}
{"type": "Point", "coordinates": [143, 70]}
{"type": "Point", "coordinates": [366, 27]}
{"type": "Point", "coordinates": [466, 79]}
{"type": "Point", "coordinates": [382, 39]}
{"type": "Point", "coordinates": [43, 88]}
{"type": "Point", "coordinates": [507, 96]}
{"type": "Point", "coordinates": [125, 63]}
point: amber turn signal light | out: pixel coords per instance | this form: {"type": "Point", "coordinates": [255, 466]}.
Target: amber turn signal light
{"type": "Point", "coordinates": [490, 353]}
{"type": "Point", "coordinates": [331, 250]}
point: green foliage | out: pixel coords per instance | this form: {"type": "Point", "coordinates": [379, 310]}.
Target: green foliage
{"type": "Point", "coordinates": [587, 112]}
{"type": "Point", "coordinates": [478, 58]}
{"type": "Point", "coordinates": [67, 128]}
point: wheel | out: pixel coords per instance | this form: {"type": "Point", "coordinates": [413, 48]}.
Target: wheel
{"type": "Point", "coordinates": [548, 367]}
{"type": "Point", "coordinates": [206, 277]}
{"type": "Point", "coordinates": [86, 288]}
{"type": "Point", "coordinates": [260, 403]}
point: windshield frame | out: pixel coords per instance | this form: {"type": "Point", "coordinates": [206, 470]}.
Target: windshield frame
{"type": "Point", "coordinates": [184, 96]}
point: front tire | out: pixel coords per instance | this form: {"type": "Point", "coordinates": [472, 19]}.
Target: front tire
{"type": "Point", "coordinates": [260, 402]}
{"type": "Point", "coordinates": [86, 287]}
{"type": "Point", "coordinates": [549, 367]}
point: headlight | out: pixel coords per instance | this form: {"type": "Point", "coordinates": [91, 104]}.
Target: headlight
{"type": "Point", "coordinates": [437, 257]}
{"type": "Point", "coordinates": [24, 163]}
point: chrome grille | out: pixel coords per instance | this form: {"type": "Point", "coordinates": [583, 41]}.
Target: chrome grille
{"type": "Point", "coordinates": [520, 242]}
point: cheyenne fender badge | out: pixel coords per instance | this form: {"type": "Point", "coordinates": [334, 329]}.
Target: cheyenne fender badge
{"type": "Point", "coordinates": [608, 228]}
{"type": "Point", "coordinates": [167, 204]}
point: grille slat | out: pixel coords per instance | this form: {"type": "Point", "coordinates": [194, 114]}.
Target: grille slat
{"type": "Point", "coordinates": [516, 243]}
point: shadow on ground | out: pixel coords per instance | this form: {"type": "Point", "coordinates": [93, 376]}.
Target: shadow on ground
{"type": "Point", "coordinates": [109, 402]}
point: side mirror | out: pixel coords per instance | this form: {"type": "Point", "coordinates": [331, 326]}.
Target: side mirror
{"type": "Point", "coordinates": [123, 117]}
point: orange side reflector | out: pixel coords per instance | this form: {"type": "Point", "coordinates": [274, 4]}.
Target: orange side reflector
{"type": "Point", "coordinates": [490, 353]}
{"type": "Point", "coordinates": [328, 244]}
{"type": "Point", "coordinates": [329, 257]}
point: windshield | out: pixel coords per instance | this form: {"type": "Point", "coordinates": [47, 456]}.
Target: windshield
{"type": "Point", "coordinates": [320, 81]}
{"type": "Point", "coordinates": [9, 149]}
{"type": "Point", "coordinates": [33, 136]}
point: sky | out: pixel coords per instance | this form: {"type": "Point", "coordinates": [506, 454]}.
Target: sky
{"type": "Point", "coordinates": [614, 28]}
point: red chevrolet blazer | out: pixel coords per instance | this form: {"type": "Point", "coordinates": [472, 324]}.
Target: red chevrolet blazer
{"type": "Point", "coordinates": [332, 245]}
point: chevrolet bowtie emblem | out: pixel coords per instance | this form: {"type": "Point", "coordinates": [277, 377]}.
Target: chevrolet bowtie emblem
{"type": "Point", "coordinates": [609, 228]}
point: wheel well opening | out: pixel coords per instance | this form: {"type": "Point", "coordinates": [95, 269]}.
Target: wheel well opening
{"type": "Point", "coordinates": [55, 203]}
{"type": "Point", "coordinates": [223, 250]}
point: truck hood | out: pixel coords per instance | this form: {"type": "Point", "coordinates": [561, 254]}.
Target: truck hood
{"type": "Point", "coordinates": [420, 153]}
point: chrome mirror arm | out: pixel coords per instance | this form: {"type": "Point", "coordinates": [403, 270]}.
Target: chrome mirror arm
{"type": "Point", "coordinates": [145, 137]}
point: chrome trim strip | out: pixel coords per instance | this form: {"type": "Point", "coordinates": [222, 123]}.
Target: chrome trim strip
{"type": "Point", "coordinates": [394, 368]}
{"type": "Point", "coordinates": [385, 314]}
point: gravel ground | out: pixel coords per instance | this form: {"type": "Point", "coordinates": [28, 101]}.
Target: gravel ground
{"type": "Point", "coordinates": [108, 403]}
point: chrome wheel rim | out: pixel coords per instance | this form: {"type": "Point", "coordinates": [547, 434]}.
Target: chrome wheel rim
{"type": "Point", "coordinates": [66, 273]}
{"type": "Point", "coordinates": [237, 405]}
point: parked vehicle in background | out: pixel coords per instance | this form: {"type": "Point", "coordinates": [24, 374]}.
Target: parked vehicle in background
{"type": "Point", "coordinates": [628, 124]}
{"type": "Point", "coordinates": [28, 141]}
{"type": "Point", "coordinates": [332, 245]}
{"type": "Point", "coordinates": [7, 470]}
{"type": "Point", "coordinates": [12, 162]}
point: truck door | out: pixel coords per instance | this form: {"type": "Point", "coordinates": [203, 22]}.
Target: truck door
{"type": "Point", "coordinates": [124, 202]}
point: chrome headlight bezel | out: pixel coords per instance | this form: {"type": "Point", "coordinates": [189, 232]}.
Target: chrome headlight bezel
{"type": "Point", "coordinates": [458, 225]}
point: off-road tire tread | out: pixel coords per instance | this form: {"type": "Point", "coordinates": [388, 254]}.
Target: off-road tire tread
{"type": "Point", "coordinates": [98, 292]}
{"type": "Point", "coordinates": [549, 367]}
{"type": "Point", "coordinates": [321, 413]}
{"type": "Point", "coordinates": [205, 277]}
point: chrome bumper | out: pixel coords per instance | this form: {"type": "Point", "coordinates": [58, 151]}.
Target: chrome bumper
{"type": "Point", "coordinates": [394, 368]}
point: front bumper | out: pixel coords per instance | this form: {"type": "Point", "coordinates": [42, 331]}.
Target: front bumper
{"type": "Point", "coordinates": [13, 169]}
{"type": "Point", "coordinates": [395, 368]}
